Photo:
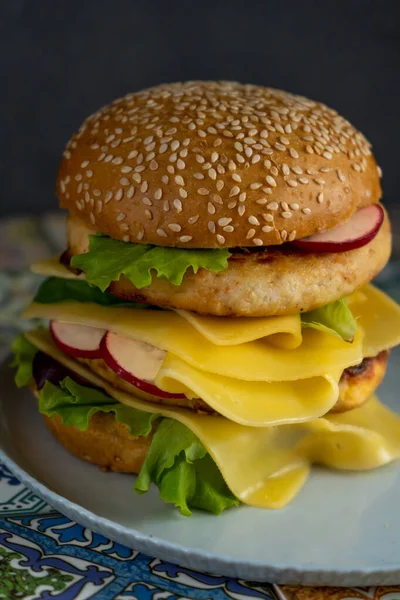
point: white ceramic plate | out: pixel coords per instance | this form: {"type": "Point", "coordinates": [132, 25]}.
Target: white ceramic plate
{"type": "Point", "coordinates": [342, 529]}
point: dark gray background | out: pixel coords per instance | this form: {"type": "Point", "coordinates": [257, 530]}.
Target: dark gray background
{"type": "Point", "coordinates": [61, 60]}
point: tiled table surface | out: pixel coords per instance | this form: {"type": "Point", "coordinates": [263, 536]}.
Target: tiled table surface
{"type": "Point", "coordinates": [43, 554]}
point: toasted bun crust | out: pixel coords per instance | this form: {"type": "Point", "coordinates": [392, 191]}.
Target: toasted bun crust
{"type": "Point", "coordinates": [271, 281]}
{"type": "Point", "coordinates": [105, 443]}
{"type": "Point", "coordinates": [109, 445]}
{"type": "Point", "coordinates": [216, 164]}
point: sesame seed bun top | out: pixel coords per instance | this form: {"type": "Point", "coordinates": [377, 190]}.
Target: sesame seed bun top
{"type": "Point", "coordinates": [216, 164]}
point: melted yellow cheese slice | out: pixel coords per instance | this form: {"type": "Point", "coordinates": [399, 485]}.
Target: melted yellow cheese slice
{"type": "Point", "coordinates": [51, 267]}
{"type": "Point", "coordinates": [254, 403]}
{"type": "Point", "coordinates": [318, 354]}
{"type": "Point", "coordinates": [282, 332]}
{"type": "Point", "coordinates": [266, 467]}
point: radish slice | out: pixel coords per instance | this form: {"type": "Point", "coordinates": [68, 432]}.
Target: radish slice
{"type": "Point", "coordinates": [358, 231]}
{"type": "Point", "coordinates": [77, 340]}
{"type": "Point", "coordinates": [136, 362]}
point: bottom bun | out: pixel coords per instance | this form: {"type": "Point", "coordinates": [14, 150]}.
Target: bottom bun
{"type": "Point", "coordinates": [105, 442]}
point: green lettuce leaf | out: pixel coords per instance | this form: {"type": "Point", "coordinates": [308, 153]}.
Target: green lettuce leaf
{"type": "Point", "coordinates": [76, 404]}
{"type": "Point", "coordinates": [24, 353]}
{"type": "Point", "coordinates": [184, 472]}
{"type": "Point", "coordinates": [55, 289]}
{"type": "Point", "coordinates": [108, 259]}
{"type": "Point", "coordinates": [335, 318]}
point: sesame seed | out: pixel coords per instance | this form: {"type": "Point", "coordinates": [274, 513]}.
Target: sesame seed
{"type": "Point", "coordinates": [274, 171]}
{"type": "Point", "coordinates": [267, 217]}
{"type": "Point", "coordinates": [179, 180]}
{"type": "Point", "coordinates": [144, 187]}
{"type": "Point", "coordinates": [292, 182]}
{"type": "Point", "coordinates": [211, 208]}
{"type": "Point", "coordinates": [286, 215]}
{"type": "Point", "coordinates": [130, 193]}
{"type": "Point", "coordinates": [220, 239]}
{"type": "Point", "coordinates": [272, 205]}
{"type": "Point", "coordinates": [126, 169]}
{"type": "Point", "coordinates": [255, 186]}
{"type": "Point", "coordinates": [212, 173]}
{"type": "Point", "coordinates": [175, 227]}
{"type": "Point", "coordinates": [166, 206]}
{"type": "Point", "coordinates": [182, 193]}
{"type": "Point", "coordinates": [181, 164]}
{"type": "Point", "coordinates": [165, 179]}
{"type": "Point", "coordinates": [84, 164]}
{"type": "Point", "coordinates": [293, 153]}
{"type": "Point", "coordinates": [203, 191]}
{"type": "Point", "coordinates": [267, 228]}
{"type": "Point", "coordinates": [309, 149]}
{"type": "Point", "coordinates": [356, 167]}
{"type": "Point", "coordinates": [224, 221]}
{"type": "Point", "coordinates": [154, 165]}
{"type": "Point", "coordinates": [177, 204]}
{"type": "Point", "coordinates": [380, 173]}
{"type": "Point", "coordinates": [234, 191]}
{"type": "Point", "coordinates": [241, 209]}
{"type": "Point", "coordinates": [121, 216]}
{"type": "Point", "coordinates": [280, 147]}
{"type": "Point", "coordinates": [119, 194]}
{"type": "Point", "coordinates": [257, 242]}
{"type": "Point", "coordinates": [284, 235]}
{"type": "Point", "coordinates": [251, 233]}
{"type": "Point", "coordinates": [148, 214]}
{"type": "Point", "coordinates": [271, 180]}
{"type": "Point", "coordinates": [92, 218]}
{"type": "Point", "coordinates": [306, 211]}
{"type": "Point", "coordinates": [161, 233]}
{"type": "Point", "coordinates": [320, 198]}
{"type": "Point", "coordinates": [303, 180]}
{"type": "Point", "coordinates": [253, 220]}
{"type": "Point", "coordinates": [211, 226]}
{"type": "Point", "coordinates": [320, 181]}
{"type": "Point", "coordinates": [147, 201]}
{"type": "Point", "coordinates": [340, 175]}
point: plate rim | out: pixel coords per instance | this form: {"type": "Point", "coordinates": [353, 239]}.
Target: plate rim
{"type": "Point", "coordinates": [200, 560]}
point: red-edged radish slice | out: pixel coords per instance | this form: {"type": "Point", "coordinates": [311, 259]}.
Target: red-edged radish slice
{"type": "Point", "coordinates": [136, 362]}
{"type": "Point", "coordinates": [358, 231]}
{"type": "Point", "coordinates": [77, 340]}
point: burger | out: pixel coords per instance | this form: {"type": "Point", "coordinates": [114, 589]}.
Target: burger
{"type": "Point", "coordinates": [212, 327]}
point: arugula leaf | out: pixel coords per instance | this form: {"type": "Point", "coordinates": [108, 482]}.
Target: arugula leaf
{"type": "Point", "coordinates": [335, 318]}
{"type": "Point", "coordinates": [76, 404]}
{"type": "Point", "coordinates": [24, 353]}
{"type": "Point", "coordinates": [55, 289]}
{"type": "Point", "coordinates": [108, 259]}
{"type": "Point", "coordinates": [184, 472]}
